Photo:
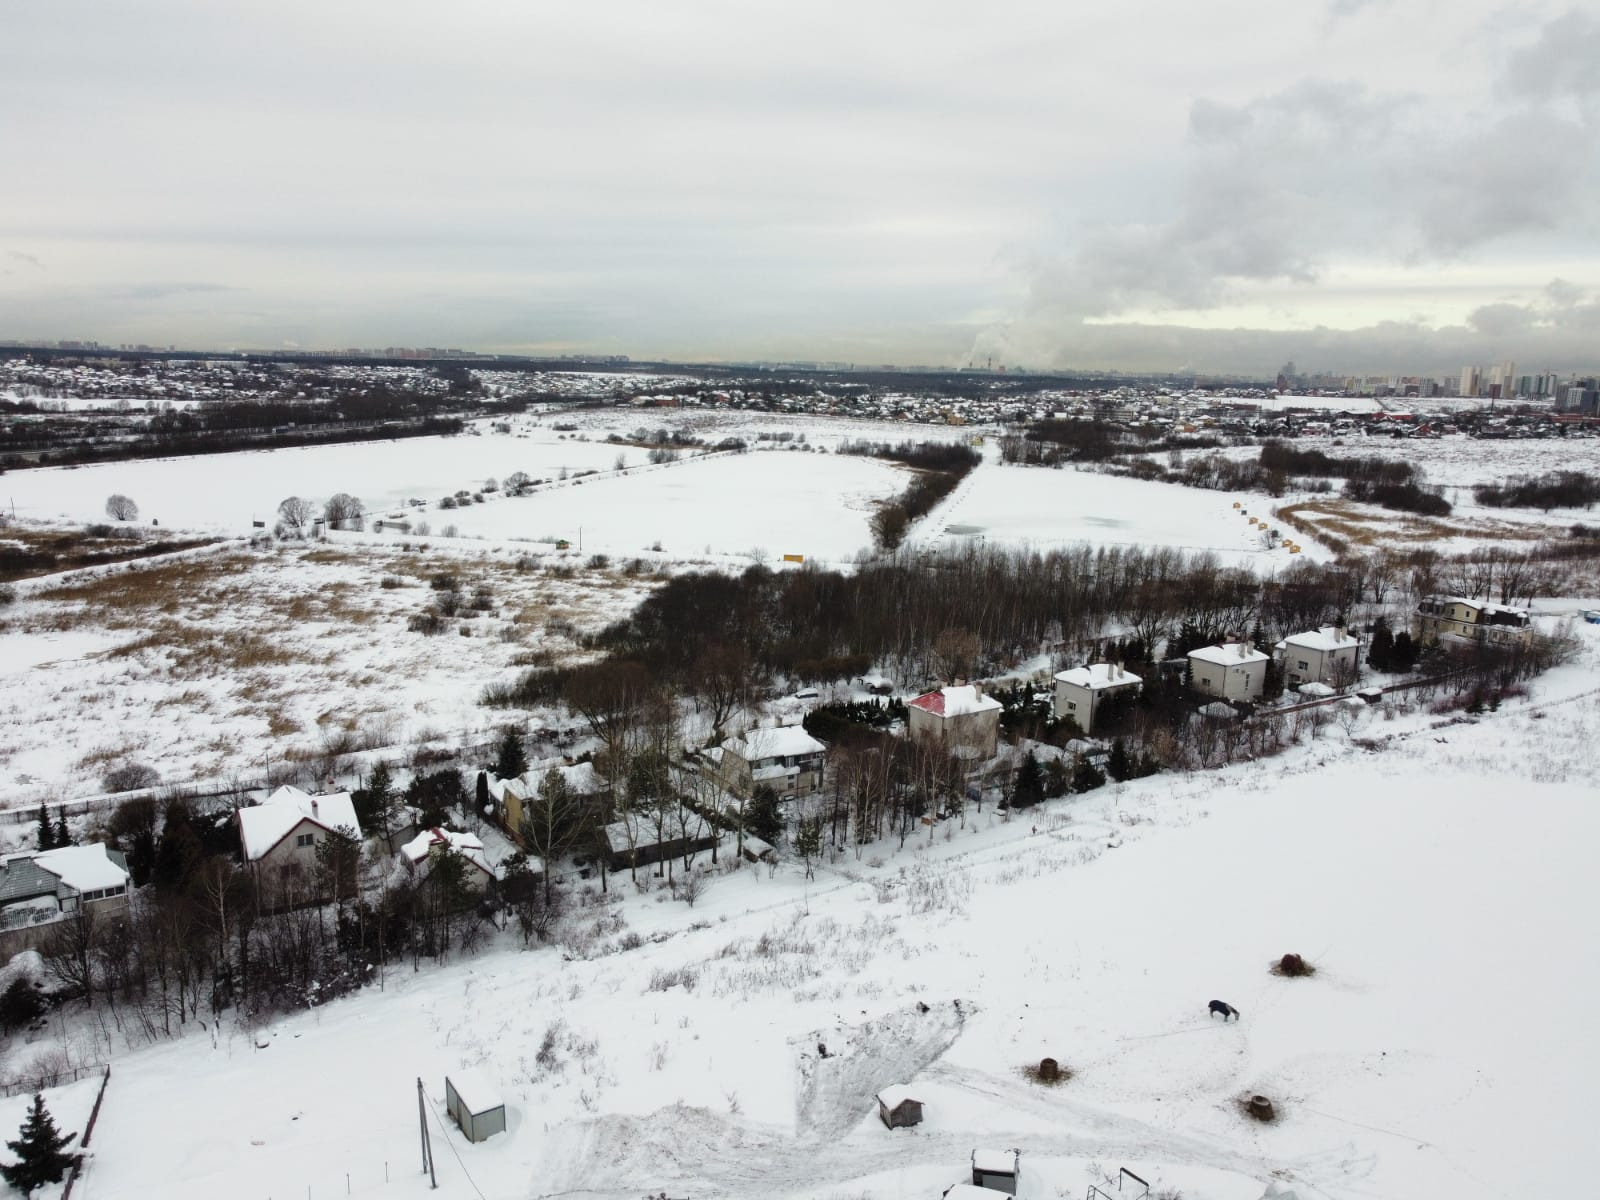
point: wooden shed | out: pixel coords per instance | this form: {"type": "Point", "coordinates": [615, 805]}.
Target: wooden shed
{"type": "Point", "coordinates": [474, 1102]}
{"type": "Point", "coordinates": [897, 1109]}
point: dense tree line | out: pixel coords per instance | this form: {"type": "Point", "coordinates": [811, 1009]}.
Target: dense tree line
{"type": "Point", "coordinates": [1557, 489]}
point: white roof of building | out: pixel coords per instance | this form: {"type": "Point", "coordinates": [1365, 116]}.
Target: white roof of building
{"type": "Point", "coordinates": [956, 701]}
{"type": "Point", "coordinates": [467, 845]}
{"type": "Point", "coordinates": [264, 825]}
{"type": "Point", "coordinates": [83, 868]}
{"type": "Point", "coordinates": [783, 742]}
{"type": "Point", "coordinates": [477, 1091]}
{"type": "Point", "coordinates": [1232, 655]}
{"type": "Point", "coordinates": [1099, 675]}
{"type": "Point", "coordinates": [1315, 688]}
{"type": "Point", "coordinates": [581, 778]}
{"type": "Point", "coordinates": [894, 1095]}
{"type": "Point", "coordinates": [992, 1162]}
{"type": "Point", "coordinates": [1325, 639]}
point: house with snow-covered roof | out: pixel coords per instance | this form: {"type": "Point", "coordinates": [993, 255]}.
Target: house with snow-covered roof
{"type": "Point", "coordinates": [1231, 670]}
{"type": "Point", "coordinates": [278, 840]}
{"type": "Point", "coordinates": [1082, 690]}
{"type": "Point", "coordinates": [786, 759]}
{"type": "Point", "coordinates": [1441, 617]}
{"type": "Point", "coordinates": [1328, 655]}
{"type": "Point", "coordinates": [38, 888]}
{"type": "Point", "coordinates": [423, 852]}
{"type": "Point", "coordinates": [514, 796]}
{"type": "Point", "coordinates": [958, 718]}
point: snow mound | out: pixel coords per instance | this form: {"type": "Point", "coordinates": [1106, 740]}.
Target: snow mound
{"type": "Point", "coordinates": [839, 1087]}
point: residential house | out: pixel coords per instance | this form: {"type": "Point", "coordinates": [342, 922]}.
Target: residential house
{"type": "Point", "coordinates": [423, 851]}
{"type": "Point", "coordinates": [637, 840]}
{"type": "Point", "coordinates": [1476, 620]}
{"type": "Point", "coordinates": [961, 719]}
{"type": "Point", "coordinates": [1082, 690]}
{"type": "Point", "coordinates": [787, 759]}
{"type": "Point", "coordinates": [1328, 655]}
{"type": "Point", "coordinates": [39, 888]}
{"type": "Point", "coordinates": [279, 838]}
{"type": "Point", "coordinates": [512, 796]}
{"type": "Point", "coordinates": [1231, 670]}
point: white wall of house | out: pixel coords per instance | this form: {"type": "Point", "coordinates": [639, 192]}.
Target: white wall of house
{"type": "Point", "coordinates": [1243, 680]}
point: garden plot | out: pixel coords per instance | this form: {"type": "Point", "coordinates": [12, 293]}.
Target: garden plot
{"type": "Point", "coordinates": [1035, 506]}
{"type": "Point", "coordinates": [767, 504]}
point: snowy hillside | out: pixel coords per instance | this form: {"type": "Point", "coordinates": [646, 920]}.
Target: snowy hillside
{"type": "Point", "coordinates": [1437, 880]}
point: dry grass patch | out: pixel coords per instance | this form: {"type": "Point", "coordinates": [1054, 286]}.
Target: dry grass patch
{"type": "Point", "coordinates": [1369, 527]}
{"type": "Point", "coordinates": [1293, 966]}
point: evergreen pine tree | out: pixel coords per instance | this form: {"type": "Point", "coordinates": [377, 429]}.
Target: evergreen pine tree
{"type": "Point", "coordinates": [63, 834]}
{"type": "Point", "coordinates": [1119, 766]}
{"type": "Point", "coordinates": [510, 762]}
{"type": "Point", "coordinates": [1380, 654]}
{"type": "Point", "coordinates": [764, 819]}
{"type": "Point", "coordinates": [1405, 652]}
{"type": "Point", "coordinates": [1029, 789]}
{"type": "Point", "coordinates": [1086, 776]}
{"type": "Point", "coordinates": [481, 793]}
{"type": "Point", "coordinates": [47, 833]}
{"type": "Point", "coordinates": [179, 850]}
{"type": "Point", "coordinates": [40, 1149]}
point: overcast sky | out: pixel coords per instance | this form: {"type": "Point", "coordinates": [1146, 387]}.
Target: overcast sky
{"type": "Point", "coordinates": [1384, 185]}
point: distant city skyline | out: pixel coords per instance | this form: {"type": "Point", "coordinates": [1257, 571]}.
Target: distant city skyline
{"type": "Point", "coordinates": [1163, 187]}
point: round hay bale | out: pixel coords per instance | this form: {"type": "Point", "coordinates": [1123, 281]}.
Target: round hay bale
{"type": "Point", "coordinates": [1049, 1070]}
{"type": "Point", "coordinates": [1261, 1108]}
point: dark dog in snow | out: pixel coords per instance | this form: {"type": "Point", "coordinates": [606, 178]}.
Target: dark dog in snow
{"type": "Point", "coordinates": [1227, 1010]}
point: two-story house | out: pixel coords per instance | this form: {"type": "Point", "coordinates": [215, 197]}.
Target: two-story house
{"type": "Point", "coordinates": [786, 759]}
{"type": "Point", "coordinates": [1083, 690]}
{"type": "Point", "coordinates": [40, 888]}
{"type": "Point", "coordinates": [1328, 655]}
{"type": "Point", "coordinates": [961, 719]}
{"type": "Point", "coordinates": [279, 838]}
{"type": "Point", "coordinates": [1230, 670]}
{"type": "Point", "coordinates": [1476, 620]}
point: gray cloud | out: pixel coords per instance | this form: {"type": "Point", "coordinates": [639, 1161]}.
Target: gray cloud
{"type": "Point", "coordinates": [1561, 61]}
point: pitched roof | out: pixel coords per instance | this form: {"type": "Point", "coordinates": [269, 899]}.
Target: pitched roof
{"type": "Point", "coordinates": [1229, 655]}
{"type": "Point", "coordinates": [1098, 675]}
{"type": "Point", "coordinates": [466, 845]}
{"type": "Point", "coordinates": [955, 701]}
{"type": "Point", "coordinates": [85, 868]}
{"type": "Point", "coordinates": [783, 742]}
{"type": "Point", "coordinates": [1325, 639]}
{"type": "Point", "coordinates": [264, 825]}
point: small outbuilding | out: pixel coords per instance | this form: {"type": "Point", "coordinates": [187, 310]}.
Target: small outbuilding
{"type": "Point", "coordinates": [897, 1109]}
{"type": "Point", "coordinates": [996, 1170]}
{"type": "Point", "coordinates": [474, 1103]}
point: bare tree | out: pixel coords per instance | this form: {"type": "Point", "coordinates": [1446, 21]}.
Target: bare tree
{"type": "Point", "coordinates": [344, 511]}
{"type": "Point", "coordinates": [121, 508]}
{"type": "Point", "coordinates": [295, 512]}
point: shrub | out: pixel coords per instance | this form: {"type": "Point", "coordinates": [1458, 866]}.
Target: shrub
{"type": "Point", "coordinates": [427, 622]}
{"type": "Point", "coordinates": [1293, 966]}
{"type": "Point", "coordinates": [129, 777]}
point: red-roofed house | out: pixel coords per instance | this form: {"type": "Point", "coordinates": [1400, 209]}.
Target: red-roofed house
{"type": "Point", "coordinates": [958, 718]}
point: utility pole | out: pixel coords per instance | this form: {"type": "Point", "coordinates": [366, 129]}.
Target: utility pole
{"type": "Point", "coordinates": [427, 1145]}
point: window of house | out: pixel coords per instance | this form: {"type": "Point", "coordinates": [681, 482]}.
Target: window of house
{"type": "Point", "coordinates": [1303, 665]}
{"type": "Point", "coordinates": [1072, 706]}
{"type": "Point", "coordinates": [305, 839]}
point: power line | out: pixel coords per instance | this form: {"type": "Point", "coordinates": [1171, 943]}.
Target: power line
{"type": "Point", "coordinates": [452, 1148]}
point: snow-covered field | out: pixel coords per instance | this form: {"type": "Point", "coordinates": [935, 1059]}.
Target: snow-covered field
{"type": "Point", "coordinates": [1440, 885]}
{"type": "Point", "coordinates": [1036, 506]}
{"type": "Point", "coordinates": [222, 664]}
{"type": "Point", "coordinates": [777, 502]}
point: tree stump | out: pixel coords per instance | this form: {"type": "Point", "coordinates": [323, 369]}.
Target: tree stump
{"type": "Point", "coordinates": [1292, 964]}
{"type": "Point", "coordinates": [1261, 1108]}
{"type": "Point", "coordinates": [1049, 1070]}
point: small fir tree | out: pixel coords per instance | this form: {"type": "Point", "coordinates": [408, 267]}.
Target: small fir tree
{"type": "Point", "coordinates": [1119, 766]}
{"type": "Point", "coordinates": [1086, 776]}
{"type": "Point", "coordinates": [482, 792]}
{"type": "Point", "coordinates": [63, 834]}
{"type": "Point", "coordinates": [47, 833]}
{"type": "Point", "coordinates": [1380, 654]}
{"type": "Point", "coordinates": [510, 762]}
{"type": "Point", "coordinates": [1030, 783]}
{"type": "Point", "coordinates": [41, 1151]}
{"type": "Point", "coordinates": [763, 817]}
